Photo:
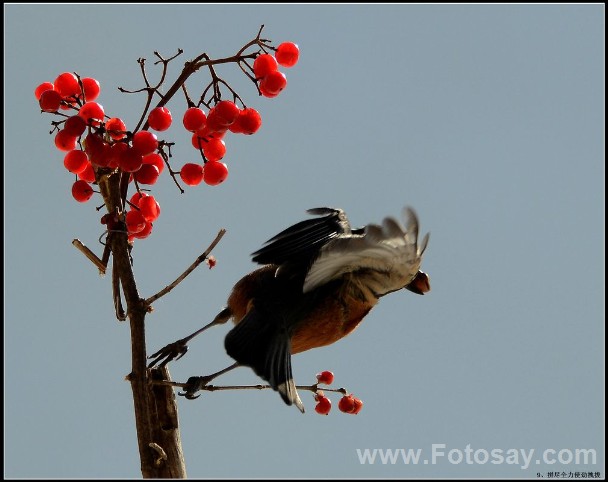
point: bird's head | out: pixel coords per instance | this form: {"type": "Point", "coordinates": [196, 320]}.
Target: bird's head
{"type": "Point", "coordinates": [420, 284]}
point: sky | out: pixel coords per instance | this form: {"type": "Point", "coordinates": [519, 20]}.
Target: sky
{"type": "Point", "coordinates": [488, 120]}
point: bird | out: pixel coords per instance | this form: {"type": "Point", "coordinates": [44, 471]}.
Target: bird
{"type": "Point", "coordinates": [318, 280]}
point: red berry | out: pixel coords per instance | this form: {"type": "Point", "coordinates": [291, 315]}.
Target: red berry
{"type": "Point", "coordinates": [92, 113]}
{"type": "Point", "coordinates": [147, 174]}
{"type": "Point", "coordinates": [202, 137]}
{"type": "Point", "coordinates": [215, 172]}
{"type": "Point", "coordinates": [156, 160]}
{"type": "Point", "coordinates": [227, 112]}
{"type": "Point", "coordinates": [350, 404]}
{"type": "Point", "coordinates": [214, 149]}
{"type": "Point", "coordinates": [194, 119]}
{"type": "Point", "coordinates": [145, 142]}
{"type": "Point", "coordinates": [273, 83]}
{"type": "Point", "coordinates": [67, 85]}
{"type": "Point", "coordinates": [91, 88]}
{"type": "Point", "coordinates": [358, 406]}
{"type": "Point", "coordinates": [116, 128]}
{"type": "Point", "coordinates": [236, 127]}
{"type": "Point", "coordinates": [82, 191]}
{"type": "Point", "coordinates": [215, 122]}
{"type": "Point", "coordinates": [197, 141]}
{"type": "Point", "coordinates": [50, 100]}
{"type": "Point", "coordinates": [263, 65]}
{"type": "Point", "coordinates": [135, 221]}
{"type": "Point", "coordinates": [97, 149]}
{"type": "Point", "coordinates": [42, 88]}
{"type": "Point", "coordinates": [160, 119]}
{"type": "Point", "coordinates": [266, 93]}
{"type": "Point", "coordinates": [88, 174]}
{"type": "Point", "coordinates": [149, 208]}
{"type": "Point", "coordinates": [192, 174]}
{"type": "Point", "coordinates": [346, 404]}
{"type": "Point", "coordinates": [287, 54]}
{"type": "Point", "coordinates": [248, 121]}
{"type": "Point", "coordinates": [323, 405]}
{"type": "Point", "coordinates": [64, 141]}
{"type": "Point", "coordinates": [130, 159]}
{"type": "Point", "coordinates": [145, 232]}
{"type": "Point", "coordinates": [112, 159]}
{"type": "Point", "coordinates": [326, 377]}
{"type": "Point", "coordinates": [137, 197]}
{"type": "Point", "coordinates": [76, 161]}
{"type": "Point", "coordinates": [206, 133]}
{"type": "Point", "coordinates": [75, 126]}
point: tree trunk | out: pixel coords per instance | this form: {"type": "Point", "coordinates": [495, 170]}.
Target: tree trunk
{"type": "Point", "coordinates": [156, 417]}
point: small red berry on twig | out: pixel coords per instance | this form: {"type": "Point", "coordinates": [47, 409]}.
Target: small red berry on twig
{"type": "Point", "coordinates": [350, 404]}
{"type": "Point", "coordinates": [160, 119]}
{"type": "Point", "coordinates": [287, 54]}
{"type": "Point", "coordinates": [325, 377]}
{"type": "Point", "coordinates": [323, 406]}
{"type": "Point", "coordinates": [211, 261]}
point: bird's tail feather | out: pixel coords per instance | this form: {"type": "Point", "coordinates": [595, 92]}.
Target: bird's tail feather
{"type": "Point", "coordinates": [265, 346]}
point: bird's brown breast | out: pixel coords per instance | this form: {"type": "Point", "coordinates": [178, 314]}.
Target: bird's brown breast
{"type": "Point", "coordinates": [316, 319]}
{"type": "Point", "coordinates": [336, 315]}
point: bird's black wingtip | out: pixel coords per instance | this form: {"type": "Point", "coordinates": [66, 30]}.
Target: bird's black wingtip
{"type": "Point", "coordinates": [324, 211]}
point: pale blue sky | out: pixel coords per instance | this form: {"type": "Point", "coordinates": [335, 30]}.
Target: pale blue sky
{"type": "Point", "coordinates": [489, 120]}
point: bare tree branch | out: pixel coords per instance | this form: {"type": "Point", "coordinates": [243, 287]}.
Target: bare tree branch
{"type": "Point", "coordinates": [191, 268]}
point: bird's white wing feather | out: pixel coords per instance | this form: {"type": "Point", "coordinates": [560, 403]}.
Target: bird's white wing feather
{"type": "Point", "coordinates": [389, 252]}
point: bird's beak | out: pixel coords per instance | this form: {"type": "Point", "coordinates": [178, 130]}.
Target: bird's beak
{"type": "Point", "coordinates": [420, 284]}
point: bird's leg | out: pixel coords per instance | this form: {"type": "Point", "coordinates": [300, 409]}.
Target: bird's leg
{"type": "Point", "coordinates": [194, 384]}
{"type": "Point", "coordinates": [177, 349]}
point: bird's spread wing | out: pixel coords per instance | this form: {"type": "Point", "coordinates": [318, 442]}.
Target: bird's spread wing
{"type": "Point", "coordinates": [303, 240]}
{"type": "Point", "coordinates": [261, 342]}
{"type": "Point", "coordinates": [389, 254]}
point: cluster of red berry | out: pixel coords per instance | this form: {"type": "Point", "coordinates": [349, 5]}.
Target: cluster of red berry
{"type": "Point", "coordinates": [266, 68]}
{"type": "Point", "coordinates": [97, 144]}
{"type": "Point", "coordinates": [208, 129]}
{"type": "Point", "coordinates": [347, 404]}
{"type": "Point", "coordinates": [91, 143]}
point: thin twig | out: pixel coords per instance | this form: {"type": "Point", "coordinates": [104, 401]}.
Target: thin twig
{"type": "Point", "coordinates": [213, 388]}
{"type": "Point", "coordinates": [91, 256]}
{"type": "Point", "coordinates": [191, 268]}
